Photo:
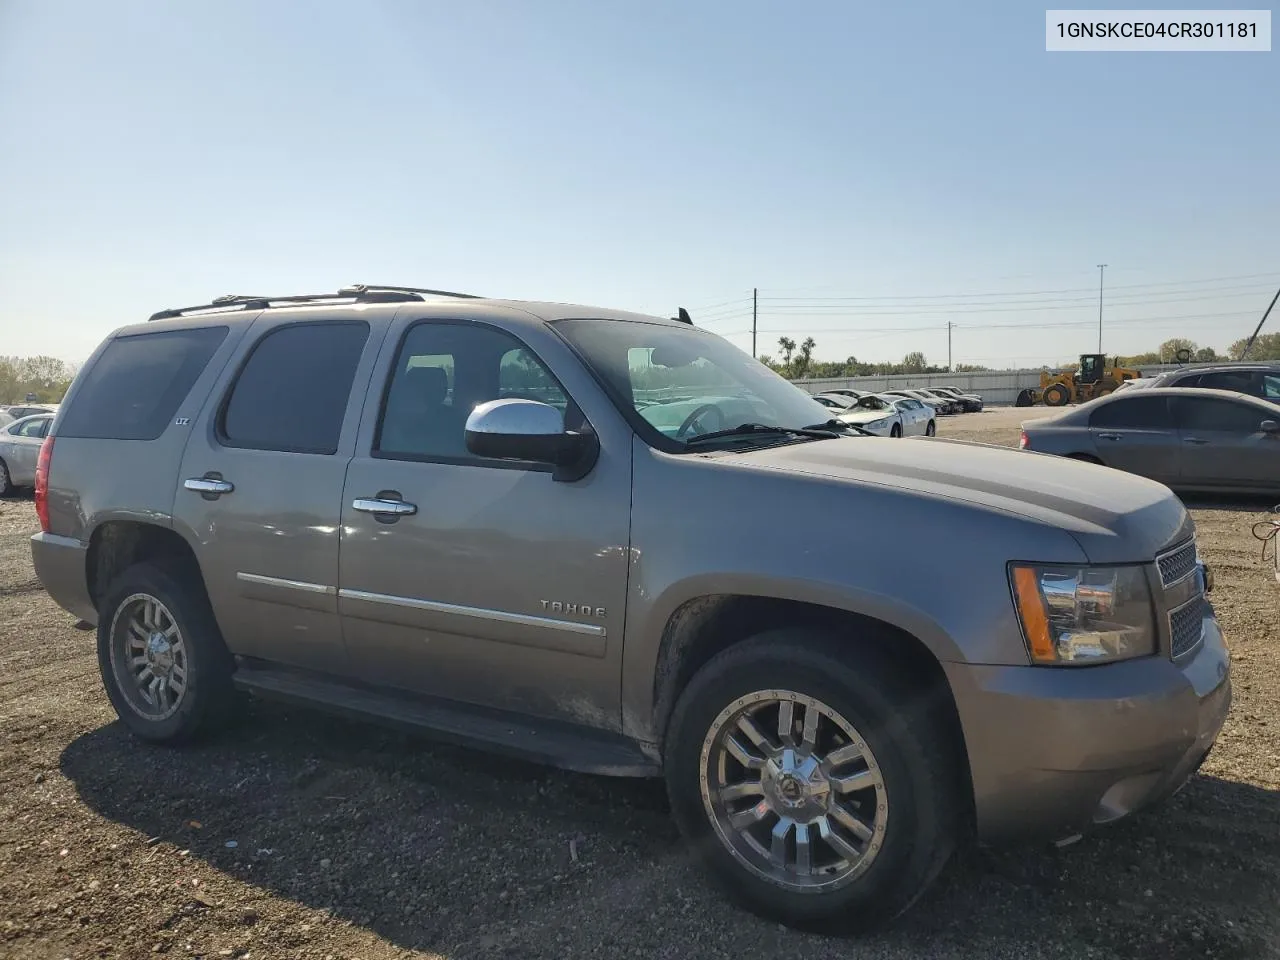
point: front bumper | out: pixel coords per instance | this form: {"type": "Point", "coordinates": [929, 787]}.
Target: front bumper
{"type": "Point", "coordinates": [60, 565]}
{"type": "Point", "coordinates": [1053, 751]}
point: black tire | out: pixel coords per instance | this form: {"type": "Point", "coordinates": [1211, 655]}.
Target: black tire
{"type": "Point", "coordinates": [1025, 399]}
{"type": "Point", "coordinates": [207, 699]}
{"type": "Point", "coordinates": [896, 431]}
{"type": "Point", "coordinates": [1056, 395]}
{"type": "Point", "coordinates": [931, 430]}
{"type": "Point", "coordinates": [6, 485]}
{"type": "Point", "coordinates": [900, 723]}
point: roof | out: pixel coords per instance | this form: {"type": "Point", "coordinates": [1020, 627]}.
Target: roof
{"type": "Point", "coordinates": [1071, 414]}
{"type": "Point", "coordinates": [363, 297]}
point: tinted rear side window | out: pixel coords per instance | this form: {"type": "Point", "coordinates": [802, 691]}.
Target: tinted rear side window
{"type": "Point", "coordinates": [292, 393]}
{"type": "Point", "coordinates": [136, 385]}
{"type": "Point", "coordinates": [1132, 413]}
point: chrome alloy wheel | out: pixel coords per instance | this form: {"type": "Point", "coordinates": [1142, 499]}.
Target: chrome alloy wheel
{"type": "Point", "coordinates": [793, 791]}
{"type": "Point", "coordinates": [149, 657]}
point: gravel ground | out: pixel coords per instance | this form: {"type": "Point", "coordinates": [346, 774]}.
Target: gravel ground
{"type": "Point", "coordinates": [298, 836]}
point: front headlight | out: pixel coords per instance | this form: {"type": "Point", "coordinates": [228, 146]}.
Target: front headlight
{"type": "Point", "coordinates": [877, 424]}
{"type": "Point", "coordinates": [1076, 616]}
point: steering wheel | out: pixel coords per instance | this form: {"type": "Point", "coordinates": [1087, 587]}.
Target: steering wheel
{"type": "Point", "coordinates": [697, 414]}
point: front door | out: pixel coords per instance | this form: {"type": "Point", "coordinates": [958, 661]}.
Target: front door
{"type": "Point", "coordinates": [1223, 444]}
{"type": "Point", "coordinates": [483, 581]}
{"type": "Point", "coordinates": [260, 488]}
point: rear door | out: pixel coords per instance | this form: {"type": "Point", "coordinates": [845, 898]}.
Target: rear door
{"type": "Point", "coordinates": [1135, 433]}
{"type": "Point", "coordinates": [260, 486]}
{"type": "Point", "coordinates": [1223, 445]}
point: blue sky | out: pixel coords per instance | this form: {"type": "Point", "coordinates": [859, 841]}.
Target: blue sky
{"type": "Point", "coordinates": [931, 158]}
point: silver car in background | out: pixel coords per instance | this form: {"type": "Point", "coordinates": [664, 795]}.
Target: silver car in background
{"type": "Point", "coordinates": [20, 449]}
{"type": "Point", "coordinates": [1188, 438]}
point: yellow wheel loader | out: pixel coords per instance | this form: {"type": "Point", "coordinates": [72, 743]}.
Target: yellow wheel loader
{"type": "Point", "coordinates": [1094, 379]}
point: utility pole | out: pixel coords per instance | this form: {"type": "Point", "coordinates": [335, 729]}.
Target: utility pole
{"type": "Point", "coordinates": [754, 299]}
{"type": "Point", "coordinates": [1102, 267]}
{"type": "Point", "coordinates": [949, 326]}
{"type": "Point", "coordinates": [1244, 354]}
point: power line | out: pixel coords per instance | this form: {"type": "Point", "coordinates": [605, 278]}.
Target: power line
{"type": "Point", "coordinates": [1025, 293]}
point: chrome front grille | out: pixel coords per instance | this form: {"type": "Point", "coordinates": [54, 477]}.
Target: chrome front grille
{"type": "Point", "coordinates": [1177, 563]}
{"type": "Point", "coordinates": [1186, 626]}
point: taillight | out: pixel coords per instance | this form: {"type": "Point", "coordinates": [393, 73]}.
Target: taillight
{"type": "Point", "coordinates": [1023, 442]}
{"type": "Point", "coordinates": [42, 483]}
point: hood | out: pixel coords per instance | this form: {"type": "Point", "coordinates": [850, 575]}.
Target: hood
{"type": "Point", "coordinates": [1116, 517]}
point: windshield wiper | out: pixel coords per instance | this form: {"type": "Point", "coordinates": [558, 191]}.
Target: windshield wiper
{"type": "Point", "coordinates": [834, 424]}
{"type": "Point", "coordinates": [818, 432]}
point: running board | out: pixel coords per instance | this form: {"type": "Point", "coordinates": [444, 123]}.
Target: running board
{"type": "Point", "coordinates": [547, 742]}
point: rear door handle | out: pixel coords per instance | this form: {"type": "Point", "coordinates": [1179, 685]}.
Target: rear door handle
{"type": "Point", "coordinates": [1108, 436]}
{"type": "Point", "coordinates": [208, 485]}
{"type": "Point", "coordinates": [396, 508]}
{"type": "Point", "coordinates": [1196, 440]}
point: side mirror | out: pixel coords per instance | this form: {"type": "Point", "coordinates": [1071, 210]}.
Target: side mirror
{"type": "Point", "coordinates": [531, 431]}
{"type": "Point", "coordinates": [1270, 426]}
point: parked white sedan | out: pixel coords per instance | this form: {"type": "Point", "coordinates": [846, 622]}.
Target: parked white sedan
{"type": "Point", "coordinates": [875, 415]}
{"type": "Point", "coordinates": [918, 418]}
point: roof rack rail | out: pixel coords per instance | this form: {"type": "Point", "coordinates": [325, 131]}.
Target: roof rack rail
{"type": "Point", "coordinates": [356, 292]}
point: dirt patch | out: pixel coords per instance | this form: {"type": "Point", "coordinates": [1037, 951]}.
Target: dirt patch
{"type": "Point", "coordinates": [298, 836]}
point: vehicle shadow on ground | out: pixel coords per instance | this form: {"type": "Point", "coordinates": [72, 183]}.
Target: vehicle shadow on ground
{"type": "Point", "coordinates": [442, 849]}
{"type": "Point", "coordinates": [1232, 503]}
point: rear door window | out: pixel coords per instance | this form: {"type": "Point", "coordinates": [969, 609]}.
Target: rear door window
{"type": "Point", "coordinates": [1132, 413]}
{"type": "Point", "coordinates": [1241, 381]}
{"type": "Point", "coordinates": [137, 384]}
{"type": "Point", "coordinates": [293, 391]}
{"type": "Point", "coordinates": [1271, 386]}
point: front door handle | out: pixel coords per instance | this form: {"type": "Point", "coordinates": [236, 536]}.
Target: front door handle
{"type": "Point", "coordinates": [1108, 436]}
{"type": "Point", "coordinates": [1196, 440]}
{"type": "Point", "coordinates": [208, 485]}
{"type": "Point", "coordinates": [396, 508]}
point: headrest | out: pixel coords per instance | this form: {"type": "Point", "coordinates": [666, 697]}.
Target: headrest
{"type": "Point", "coordinates": [426, 385]}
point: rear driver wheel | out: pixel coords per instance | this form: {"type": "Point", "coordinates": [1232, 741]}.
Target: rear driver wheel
{"type": "Point", "coordinates": [165, 668]}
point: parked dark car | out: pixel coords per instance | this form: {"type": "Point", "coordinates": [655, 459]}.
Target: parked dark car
{"type": "Point", "coordinates": [1260, 380]}
{"type": "Point", "coordinates": [1192, 439]}
{"type": "Point", "coordinates": [972, 401]}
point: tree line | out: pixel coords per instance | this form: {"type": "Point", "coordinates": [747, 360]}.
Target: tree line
{"type": "Point", "coordinates": [47, 378]}
{"type": "Point", "coordinates": [795, 361]}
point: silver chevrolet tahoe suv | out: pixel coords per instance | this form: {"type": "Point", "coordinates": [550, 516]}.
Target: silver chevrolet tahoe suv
{"type": "Point", "coordinates": [617, 544]}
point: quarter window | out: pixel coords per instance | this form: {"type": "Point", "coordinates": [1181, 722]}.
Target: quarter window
{"type": "Point", "coordinates": [293, 392]}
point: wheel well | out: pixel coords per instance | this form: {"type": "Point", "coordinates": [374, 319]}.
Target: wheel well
{"type": "Point", "coordinates": [119, 544]}
{"type": "Point", "coordinates": [706, 626]}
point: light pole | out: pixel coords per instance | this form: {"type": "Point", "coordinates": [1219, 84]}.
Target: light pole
{"type": "Point", "coordinates": [1102, 267]}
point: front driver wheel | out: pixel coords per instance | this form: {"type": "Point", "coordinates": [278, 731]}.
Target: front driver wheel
{"type": "Point", "coordinates": [931, 430]}
{"type": "Point", "coordinates": [895, 430]}
{"type": "Point", "coordinates": [813, 780]}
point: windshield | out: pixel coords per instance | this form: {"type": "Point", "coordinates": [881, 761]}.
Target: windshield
{"type": "Point", "coordinates": [683, 382]}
